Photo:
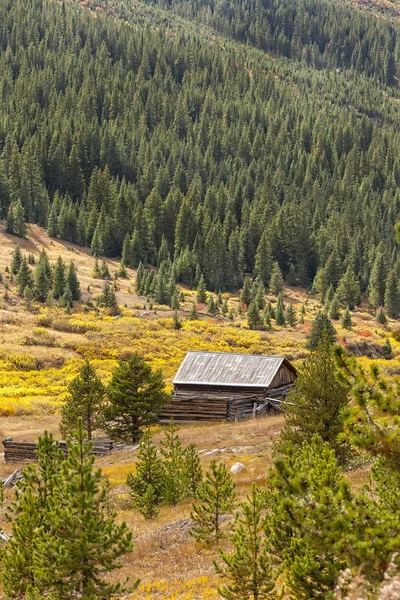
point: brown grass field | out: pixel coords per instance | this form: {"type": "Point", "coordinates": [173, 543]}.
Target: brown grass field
{"type": "Point", "coordinates": [42, 350]}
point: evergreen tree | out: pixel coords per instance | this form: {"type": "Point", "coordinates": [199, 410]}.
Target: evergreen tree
{"type": "Point", "coordinates": [212, 308]}
{"type": "Point", "coordinates": [387, 349]}
{"type": "Point", "coordinates": [329, 296]}
{"type": "Point", "coordinates": [64, 541]}
{"type": "Point", "coordinates": [246, 569]}
{"type": "Point", "coordinates": [43, 277]}
{"type": "Point", "coordinates": [334, 309]}
{"type": "Point", "coordinates": [201, 294]}
{"type": "Point", "coordinates": [104, 270]}
{"type": "Point", "coordinates": [147, 485]}
{"type": "Point", "coordinates": [280, 311]}
{"type": "Point", "coordinates": [381, 316]}
{"type": "Point", "coordinates": [291, 317]}
{"type": "Point", "coordinates": [59, 280]}
{"type": "Point", "coordinates": [316, 403]}
{"type": "Point", "coordinates": [245, 294]}
{"type": "Point", "coordinates": [392, 295]}
{"type": "Point", "coordinates": [16, 260]}
{"type": "Point", "coordinates": [135, 398]}
{"type": "Point", "coordinates": [253, 316]}
{"type": "Point", "coordinates": [108, 298]}
{"type": "Point", "coordinates": [174, 466]}
{"type": "Point", "coordinates": [308, 503]}
{"type": "Point", "coordinates": [177, 322]}
{"type": "Point", "coordinates": [73, 282]}
{"type": "Point", "coordinates": [139, 279]}
{"type": "Point", "coordinates": [122, 272]}
{"type": "Point", "coordinates": [193, 313]}
{"type": "Point", "coordinates": [16, 224]}
{"type": "Point", "coordinates": [216, 497]}
{"type": "Point", "coordinates": [24, 277]}
{"type": "Point", "coordinates": [28, 297]}
{"type": "Point", "coordinates": [321, 327]}
{"type": "Point", "coordinates": [85, 399]}
{"type": "Point", "coordinates": [96, 274]}
{"type": "Point", "coordinates": [377, 278]}
{"type": "Point", "coordinates": [347, 322]}
{"type": "Point", "coordinates": [192, 470]}
{"type": "Point", "coordinates": [276, 283]}
{"type": "Point", "coordinates": [348, 291]}
{"type": "Point", "coordinates": [264, 259]}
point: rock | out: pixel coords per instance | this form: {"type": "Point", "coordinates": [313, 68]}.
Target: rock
{"type": "Point", "coordinates": [237, 467]}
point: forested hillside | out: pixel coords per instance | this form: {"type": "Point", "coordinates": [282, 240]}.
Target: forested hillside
{"type": "Point", "coordinates": [203, 153]}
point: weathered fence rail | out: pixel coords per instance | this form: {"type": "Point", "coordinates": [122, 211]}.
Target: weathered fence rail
{"type": "Point", "coordinates": [22, 451]}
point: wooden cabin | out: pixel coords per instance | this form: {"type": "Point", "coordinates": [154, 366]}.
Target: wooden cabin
{"type": "Point", "coordinates": [220, 386]}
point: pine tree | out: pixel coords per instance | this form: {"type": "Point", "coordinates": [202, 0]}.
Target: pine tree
{"type": "Point", "coordinates": [122, 272]}
{"type": "Point", "coordinates": [316, 403]}
{"type": "Point", "coordinates": [64, 541]}
{"type": "Point", "coordinates": [267, 318]}
{"type": "Point", "coordinates": [321, 327]}
{"type": "Point", "coordinates": [174, 466]}
{"type": "Point", "coordinates": [329, 296]}
{"type": "Point", "coordinates": [377, 278]}
{"type": "Point", "coordinates": [212, 308]}
{"type": "Point", "coordinates": [108, 298]}
{"type": "Point", "coordinates": [276, 283]}
{"type": "Point", "coordinates": [24, 277]}
{"type": "Point", "coordinates": [253, 316]}
{"type": "Point", "coordinates": [245, 294]}
{"type": "Point", "coordinates": [192, 470]}
{"type": "Point", "coordinates": [280, 311]}
{"type": "Point", "coordinates": [193, 316]}
{"type": "Point", "coordinates": [216, 497]}
{"type": "Point", "coordinates": [201, 293]}
{"type": "Point", "coordinates": [263, 259]}
{"type": "Point", "coordinates": [177, 323]}
{"type": "Point", "coordinates": [348, 291]}
{"type": "Point", "coordinates": [104, 270]}
{"type": "Point", "coordinates": [387, 349]}
{"type": "Point", "coordinates": [291, 317]}
{"type": "Point", "coordinates": [28, 297]}
{"type": "Point", "coordinates": [73, 282]}
{"type": "Point", "coordinates": [334, 309]}
{"type": "Point", "coordinates": [135, 398]}
{"type": "Point", "coordinates": [381, 316]}
{"type": "Point", "coordinates": [139, 279]}
{"type": "Point", "coordinates": [247, 569]}
{"type": "Point", "coordinates": [147, 485]}
{"type": "Point", "coordinates": [16, 260]}
{"type": "Point", "coordinates": [96, 274]}
{"type": "Point", "coordinates": [66, 299]}
{"type": "Point", "coordinates": [308, 502]}
{"type": "Point", "coordinates": [59, 280]}
{"type": "Point", "coordinates": [392, 295]}
{"type": "Point", "coordinates": [16, 224]}
{"type": "Point", "coordinates": [43, 277]}
{"type": "Point", "coordinates": [85, 399]}
{"type": "Point", "coordinates": [347, 322]}
{"type": "Point", "coordinates": [175, 301]}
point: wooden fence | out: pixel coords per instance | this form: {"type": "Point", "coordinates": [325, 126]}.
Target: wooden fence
{"type": "Point", "coordinates": [21, 451]}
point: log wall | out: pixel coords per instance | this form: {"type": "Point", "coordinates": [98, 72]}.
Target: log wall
{"type": "Point", "coordinates": [26, 451]}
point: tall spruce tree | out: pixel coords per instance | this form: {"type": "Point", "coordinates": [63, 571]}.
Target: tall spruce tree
{"type": "Point", "coordinates": [64, 540]}
{"type": "Point", "coordinates": [392, 295]}
{"type": "Point", "coordinates": [192, 469]}
{"type": "Point", "coordinates": [43, 277]}
{"type": "Point", "coordinates": [264, 259]}
{"type": "Point", "coordinates": [24, 277]}
{"type": "Point", "coordinates": [321, 327]}
{"type": "Point", "coordinates": [348, 291]}
{"type": "Point", "coordinates": [253, 316]}
{"type": "Point", "coordinates": [59, 280]}
{"type": "Point", "coordinates": [280, 311]}
{"type": "Point", "coordinates": [16, 260]}
{"type": "Point", "coordinates": [316, 403]}
{"type": "Point", "coordinates": [216, 497]}
{"type": "Point", "coordinates": [276, 282]}
{"type": "Point", "coordinates": [174, 466]}
{"type": "Point", "coordinates": [85, 399]}
{"type": "Point", "coordinates": [73, 282]}
{"type": "Point", "coordinates": [135, 397]}
{"type": "Point", "coordinates": [201, 293]}
{"type": "Point", "coordinates": [148, 483]}
{"type": "Point", "coordinates": [246, 570]}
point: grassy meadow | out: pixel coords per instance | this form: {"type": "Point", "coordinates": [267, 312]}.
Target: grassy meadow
{"type": "Point", "coordinates": [42, 350]}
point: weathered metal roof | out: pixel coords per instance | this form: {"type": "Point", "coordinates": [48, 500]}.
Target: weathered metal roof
{"type": "Point", "coordinates": [229, 369]}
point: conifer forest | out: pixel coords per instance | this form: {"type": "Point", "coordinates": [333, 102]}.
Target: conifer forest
{"type": "Point", "coordinates": [186, 184]}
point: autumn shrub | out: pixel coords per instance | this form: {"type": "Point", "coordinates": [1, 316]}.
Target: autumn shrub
{"type": "Point", "coordinates": [44, 320]}
{"type": "Point", "coordinates": [365, 333]}
{"type": "Point", "coordinates": [74, 326]}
